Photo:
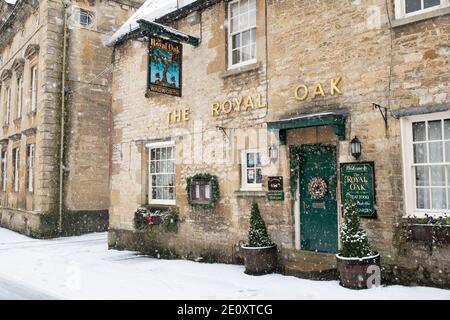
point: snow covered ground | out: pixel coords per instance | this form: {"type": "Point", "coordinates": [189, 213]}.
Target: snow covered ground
{"type": "Point", "coordinates": [84, 268]}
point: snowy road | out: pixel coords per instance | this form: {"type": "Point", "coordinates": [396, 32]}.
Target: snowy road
{"type": "Point", "coordinates": [83, 268]}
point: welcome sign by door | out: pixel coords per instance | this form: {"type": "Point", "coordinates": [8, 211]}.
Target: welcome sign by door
{"type": "Point", "coordinates": [358, 180]}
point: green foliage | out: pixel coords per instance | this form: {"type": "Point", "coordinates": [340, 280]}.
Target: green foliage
{"type": "Point", "coordinates": [170, 220]}
{"type": "Point", "coordinates": [257, 233]}
{"type": "Point", "coordinates": [166, 218]}
{"type": "Point", "coordinates": [215, 193]}
{"type": "Point", "coordinates": [355, 243]}
{"type": "Point", "coordinates": [296, 154]}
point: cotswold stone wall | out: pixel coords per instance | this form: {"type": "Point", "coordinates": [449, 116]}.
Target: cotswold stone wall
{"type": "Point", "coordinates": [307, 43]}
{"type": "Point", "coordinates": [39, 25]}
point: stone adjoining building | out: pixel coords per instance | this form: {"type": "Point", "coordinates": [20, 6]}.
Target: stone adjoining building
{"type": "Point", "coordinates": [273, 84]}
{"type": "Point", "coordinates": [39, 41]}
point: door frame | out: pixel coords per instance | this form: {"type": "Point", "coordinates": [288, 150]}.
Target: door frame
{"type": "Point", "coordinates": [297, 200]}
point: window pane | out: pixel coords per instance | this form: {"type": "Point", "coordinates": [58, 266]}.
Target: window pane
{"type": "Point", "coordinates": [258, 176]}
{"type": "Point", "coordinates": [447, 151]}
{"type": "Point", "coordinates": [244, 6]}
{"type": "Point", "coordinates": [246, 53]}
{"type": "Point", "coordinates": [252, 5]}
{"type": "Point", "coordinates": [236, 56]}
{"type": "Point", "coordinates": [437, 175]}
{"type": "Point", "coordinates": [420, 153]}
{"type": "Point", "coordinates": [236, 41]}
{"type": "Point", "coordinates": [258, 159]}
{"type": "Point", "coordinates": [152, 167]}
{"type": "Point", "coordinates": [448, 198]}
{"type": "Point", "coordinates": [246, 38]}
{"type": "Point", "coordinates": [431, 3]}
{"type": "Point", "coordinates": [422, 176]}
{"type": "Point", "coordinates": [243, 21]}
{"type": "Point", "coordinates": [435, 130]}
{"type": "Point", "coordinates": [438, 198]}
{"type": "Point", "coordinates": [234, 9]}
{"type": "Point", "coordinates": [250, 160]}
{"type": "Point", "coordinates": [250, 175]}
{"type": "Point", "coordinates": [235, 25]}
{"type": "Point", "coordinates": [413, 5]}
{"type": "Point", "coordinates": [254, 51]}
{"type": "Point", "coordinates": [423, 198]}
{"type": "Point", "coordinates": [436, 152]}
{"type": "Point", "coordinates": [153, 180]}
{"type": "Point", "coordinates": [153, 154]}
{"type": "Point", "coordinates": [419, 133]}
{"type": "Point", "coordinates": [252, 18]}
{"type": "Point", "coordinates": [447, 129]}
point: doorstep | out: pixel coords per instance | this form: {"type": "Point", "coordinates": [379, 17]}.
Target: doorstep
{"type": "Point", "coordinates": [310, 265]}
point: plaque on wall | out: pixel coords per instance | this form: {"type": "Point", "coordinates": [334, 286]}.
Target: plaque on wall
{"type": "Point", "coordinates": [275, 183]}
{"type": "Point", "coordinates": [358, 180]}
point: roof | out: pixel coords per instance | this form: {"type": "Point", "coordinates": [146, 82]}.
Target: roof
{"type": "Point", "coordinates": [151, 10]}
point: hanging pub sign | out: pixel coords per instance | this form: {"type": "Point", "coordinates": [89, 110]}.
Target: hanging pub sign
{"type": "Point", "coordinates": [358, 180]}
{"type": "Point", "coordinates": [164, 66]}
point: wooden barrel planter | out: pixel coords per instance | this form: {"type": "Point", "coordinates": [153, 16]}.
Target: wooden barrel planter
{"type": "Point", "coordinates": [260, 261]}
{"type": "Point", "coordinates": [353, 271]}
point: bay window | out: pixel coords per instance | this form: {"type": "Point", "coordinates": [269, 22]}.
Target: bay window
{"type": "Point", "coordinates": [241, 32]}
{"type": "Point", "coordinates": [426, 143]}
{"type": "Point", "coordinates": [161, 173]}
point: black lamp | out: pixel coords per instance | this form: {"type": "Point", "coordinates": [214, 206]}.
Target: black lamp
{"type": "Point", "coordinates": [355, 148]}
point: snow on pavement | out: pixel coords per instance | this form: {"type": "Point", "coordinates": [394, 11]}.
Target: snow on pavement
{"type": "Point", "coordinates": [83, 268]}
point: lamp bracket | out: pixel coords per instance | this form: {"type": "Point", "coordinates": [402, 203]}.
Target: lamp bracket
{"type": "Point", "coordinates": [384, 112]}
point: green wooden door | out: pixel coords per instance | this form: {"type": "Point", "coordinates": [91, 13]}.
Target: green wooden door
{"type": "Point", "coordinates": [318, 204]}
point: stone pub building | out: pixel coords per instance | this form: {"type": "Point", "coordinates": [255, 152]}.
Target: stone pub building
{"type": "Point", "coordinates": [273, 99]}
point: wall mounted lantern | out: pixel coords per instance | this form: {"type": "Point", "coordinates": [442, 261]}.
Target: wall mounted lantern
{"type": "Point", "coordinates": [273, 153]}
{"type": "Point", "coordinates": [355, 148]}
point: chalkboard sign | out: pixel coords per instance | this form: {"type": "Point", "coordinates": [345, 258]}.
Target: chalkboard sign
{"type": "Point", "coordinates": [358, 180]}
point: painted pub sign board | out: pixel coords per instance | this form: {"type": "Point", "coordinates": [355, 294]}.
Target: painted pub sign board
{"type": "Point", "coordinates": [358, 180]}
{"type": "Point", "coordinates": [164, 66]}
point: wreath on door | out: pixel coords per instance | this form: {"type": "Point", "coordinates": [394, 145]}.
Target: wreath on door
{"type": "Point", "coordinates": [317, 188]}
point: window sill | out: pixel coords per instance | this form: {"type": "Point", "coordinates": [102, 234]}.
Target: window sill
{"type": "Point", "coordinates": [250, 193]}
{"type": "Point", "coordinates": [420, 17]}
{"type": "Point", "coordinates": [237, 71]}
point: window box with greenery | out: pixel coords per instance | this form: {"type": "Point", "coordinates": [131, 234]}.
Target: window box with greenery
{"type": "Point", "coordinates": [260, 253]}
{"type": "Point", "coordinates": [433, 230]}
{"type": "Point", "coordinates": [203, 191]}
{"type": "Point", "coordinates": [356, 256]}
{"type": "Point", "coordinates": [146, 217]}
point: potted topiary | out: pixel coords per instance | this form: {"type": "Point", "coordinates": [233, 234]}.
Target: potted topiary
{"type": "Point", "coordinates": [260, 254]}
{"type": "Point", "coordinates": [356, 256]}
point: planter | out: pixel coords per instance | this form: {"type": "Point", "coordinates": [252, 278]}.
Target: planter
{"type": "Point", "coordinates": [353, 271]}
{"type": "Point", "coordinates": [429, 233]}
{"type": "Point", "coordinates": [259, 261]}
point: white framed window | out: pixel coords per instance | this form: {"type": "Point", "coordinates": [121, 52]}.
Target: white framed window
{"type": "Point", "coordinates": [241, 32]}
{"type": "Point", "coordinates": [16, 166]}
{"type": "Point", "coordinates": [4, 164]}
{"type": "Point", "coordinates": [162, 188]}
{"type": "Point", "coordinates": [19, 100]}
{"type": "Point", "coordinates": [251, 166]}
{"type": "Point", "coordinates": [426, 158]}
{"type": "Point", "coordinates": [84, 17]}
{"type": "Point", "coordinates": [408, 8]}
{"type": "Point", "coordinates": [30, 167]}
{"type": "Point", "coordinates": [34, 88]}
